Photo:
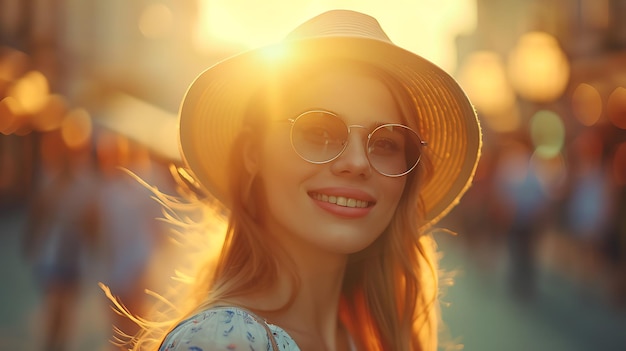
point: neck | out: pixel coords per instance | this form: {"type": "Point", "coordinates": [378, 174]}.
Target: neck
{"type": "Point", "coordinates": [312, 303]}
{"type": "Point", "coordinates": [312, 318]}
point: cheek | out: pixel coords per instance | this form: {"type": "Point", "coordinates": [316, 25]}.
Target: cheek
{"type": "Point", "coordinates": [393, 187]}
{"type": "Point", "coordinates": [284, 200]}
{"type": "Point", "coordinates": [277, 159]}
{"type": "Point", "coordinates": [281, 170]}
{"type": "Point", "coordinates": [393, 190]}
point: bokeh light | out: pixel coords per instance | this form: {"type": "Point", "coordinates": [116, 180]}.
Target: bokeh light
{"type": "Point", "coordinates": [483, 76]}
{"type": "Point", "coordinates": [616, 107]}
{"type": "Point", "coordinates": [547, 132]}
{"type": "Point", "coordinates": [155, 21]}
{"type": "Point", "coordinates": [586, 104]}
{"type": "Point", "coordinates": [31, 92]}
{"type": "Point", "coordinates": [76, 128]}
{"type": "Point", "coordinates": [538, 68]}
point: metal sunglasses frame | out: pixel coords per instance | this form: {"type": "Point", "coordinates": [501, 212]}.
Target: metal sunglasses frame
{"type": "Point", "coordinates": [293, 121]}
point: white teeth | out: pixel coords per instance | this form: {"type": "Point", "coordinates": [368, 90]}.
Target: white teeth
{"type": "Point", "coordinates": [341, 201]}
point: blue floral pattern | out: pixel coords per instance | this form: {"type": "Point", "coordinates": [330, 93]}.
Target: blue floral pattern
{"type": "Point", "coordinates": [225, 329]}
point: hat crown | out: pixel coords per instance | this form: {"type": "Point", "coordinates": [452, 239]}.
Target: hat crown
{"type": "Point", "coordinates": [343, 23]}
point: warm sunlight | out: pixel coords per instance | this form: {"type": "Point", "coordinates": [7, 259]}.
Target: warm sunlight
{"type": "Point", "coordinates": [425, 27]}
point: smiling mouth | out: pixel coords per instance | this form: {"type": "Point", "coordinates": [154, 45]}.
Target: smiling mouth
{"type": "Point", "coordinates": [341, 200]}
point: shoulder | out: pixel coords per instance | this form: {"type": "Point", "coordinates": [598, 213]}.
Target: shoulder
{"type": "Point", "coordinates": [217, 329]}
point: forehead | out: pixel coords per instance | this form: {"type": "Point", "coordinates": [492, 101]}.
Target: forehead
{"type": "Point", "coordinates": [357, 95]}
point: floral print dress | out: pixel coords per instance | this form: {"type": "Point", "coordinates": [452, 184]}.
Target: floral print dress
{"type": "Point", "coordinates": [227, 329]}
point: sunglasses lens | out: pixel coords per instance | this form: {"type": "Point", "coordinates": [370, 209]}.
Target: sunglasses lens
{"type": "Point", "coordinates": [394, 150]}
{"type": "Point", "coordinates": [319, 136]}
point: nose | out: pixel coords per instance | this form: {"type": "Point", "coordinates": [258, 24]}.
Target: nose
{"type": "Point", "coordinates": [353, 160]}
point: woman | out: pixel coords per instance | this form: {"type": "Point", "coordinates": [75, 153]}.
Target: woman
{"type": "Point", "coordinates": [333, 152]}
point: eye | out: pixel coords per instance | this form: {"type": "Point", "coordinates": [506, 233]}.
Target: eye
{"type": "Point", "coordinates": [320, 133]}
{"type": "Point", "coordinates": [383, 146]}
{"type": "Point", "coordinates": [315, 134]}
{"type": "Point", "coordinates": [387, 141]}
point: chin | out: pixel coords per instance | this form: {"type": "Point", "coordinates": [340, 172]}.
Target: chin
{"type": "Point", "coordinates": [350, 243]}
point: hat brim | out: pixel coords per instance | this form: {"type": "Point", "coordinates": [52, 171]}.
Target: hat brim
{"type": "Point", "coordinates": [213, 109]}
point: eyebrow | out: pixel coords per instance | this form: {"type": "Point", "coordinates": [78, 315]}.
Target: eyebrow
{"type": "Point", "coordinates": [375, 124]}
{"type": "Point", "coordinates": [370, 127]}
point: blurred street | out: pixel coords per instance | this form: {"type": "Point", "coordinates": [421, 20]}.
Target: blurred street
{"type": "Point", "coordinates": [481, 314]}
{"type": "Point", "coordinates": [21, 307]}
{"type": "Point", "coordinates": [484, 313]}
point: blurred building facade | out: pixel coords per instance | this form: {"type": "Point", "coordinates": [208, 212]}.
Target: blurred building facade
{"type": "Point", "coordinates": [548, 79]}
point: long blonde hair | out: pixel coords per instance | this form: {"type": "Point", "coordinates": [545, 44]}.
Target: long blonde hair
{"type": "Point", "coordinates": [390, 289]}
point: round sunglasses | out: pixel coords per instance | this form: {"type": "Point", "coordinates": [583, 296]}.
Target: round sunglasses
{"type": "Point", "coordinates": [320, 136]}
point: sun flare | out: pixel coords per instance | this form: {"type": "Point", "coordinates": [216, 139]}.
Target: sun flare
{"type": "Point", "coordinates": [425, 27]}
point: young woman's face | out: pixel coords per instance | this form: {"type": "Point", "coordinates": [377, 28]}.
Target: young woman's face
{"type": "Point", "coordinates": [312, 205]}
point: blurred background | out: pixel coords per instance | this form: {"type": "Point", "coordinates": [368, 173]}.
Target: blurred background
{"type": "Point", "coordinates": [89, 86]}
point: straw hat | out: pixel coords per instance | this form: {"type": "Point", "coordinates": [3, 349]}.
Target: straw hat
{"type": "Point", "coordinates": [213, 108]}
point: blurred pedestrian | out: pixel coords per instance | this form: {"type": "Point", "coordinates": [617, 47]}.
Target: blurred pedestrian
{"type": "Point", "coordinates": [525, 208]}
{"type": "Point", "coordinates": [60, 239]}
{"type": "Point", "coordinates": [589, 209]}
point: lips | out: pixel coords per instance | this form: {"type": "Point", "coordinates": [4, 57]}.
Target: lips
{"type": "Point", "coordinates": [343, 201]}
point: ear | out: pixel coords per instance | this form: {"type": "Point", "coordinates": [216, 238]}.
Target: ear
{"type": "Point", "coordinates": [250, 151]}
